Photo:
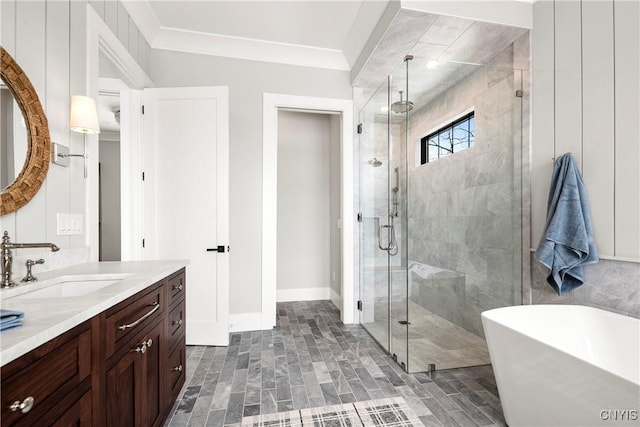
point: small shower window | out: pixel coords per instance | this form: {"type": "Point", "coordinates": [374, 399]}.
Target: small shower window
{"type": "Point", "coordinates": [449, 139]}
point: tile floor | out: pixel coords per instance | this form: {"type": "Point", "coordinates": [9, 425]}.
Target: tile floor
{"type": "Point", "coordinates": [311, 359]}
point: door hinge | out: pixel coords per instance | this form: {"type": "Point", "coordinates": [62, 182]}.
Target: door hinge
{"type": "Point", "coordinates": [359, 128]}
{"type": "Point", "coordinates": [359, 216]}
{"type": "Point", "coordinates": [359, 305]}
{"type": "Point", "coordinates": [143, 243]}
{"type": "Point", "coordinates": [143, 176]}
{"type": "Point", "coordinates": [519, 93]}
{"type": "Point", "coordinates": [143, 109]}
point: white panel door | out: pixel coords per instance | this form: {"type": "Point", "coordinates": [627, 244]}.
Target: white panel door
{"type": "Point", "coordinates": [186, 133]}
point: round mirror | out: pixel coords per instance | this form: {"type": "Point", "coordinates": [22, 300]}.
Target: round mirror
{"type": "Point", "coordinates": [13, 138]}
{"type": "Point", "coordinates": [24, 158]}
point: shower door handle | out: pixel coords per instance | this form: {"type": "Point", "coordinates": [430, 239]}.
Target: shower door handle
{"type": "Point", "coordinates": [380, 227]}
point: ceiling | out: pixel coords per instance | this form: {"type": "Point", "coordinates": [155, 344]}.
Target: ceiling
{"type": "Point", "coordinates": [108, 105]}
{"type": "Point", "coordinates": [326, 34]}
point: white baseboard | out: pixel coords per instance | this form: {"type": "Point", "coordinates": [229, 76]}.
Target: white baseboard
{"type": "Point", "coordinates": [245, 322]}
{"type": "Point", "coordinates": [303, 294]}
{"type": "Point", "coordinates": [336, 299]}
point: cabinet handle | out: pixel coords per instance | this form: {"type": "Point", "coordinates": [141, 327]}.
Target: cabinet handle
{"type": "Point", "coordinates": [24, 406]}
{"type": "Point", "coordinates": [179, 287]}
{"type": "Point", "coordinates": [155, 305]}
{"type": "Point", "coordinates": [177, 368]}
{"type": "Point", "coordinates": [141, 349]}
{"type": "Point", "coordinates": [178, 322]}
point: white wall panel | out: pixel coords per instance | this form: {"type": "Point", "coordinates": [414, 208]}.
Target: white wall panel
{"type": "Point", "coordinates": [123, 25]}
{"type": "Point", "coordinates": [8, 25]}
{"type": "Point", "coordinates": [30, 54]}
{"type": "Point", "coordinates": [133, 40]}
{"type": "Point", "coordinates": [77, 86]}
{"type": "Point", "coordinates": [99, 6]}
{"type": "Point", "coordinates": [8, 41]}
{"type": "Point", "coordinates": [627, 110]}
{"type": "Point", "coordinates": [598, 118]}
{"type": "Point", "coordinates": [48, 40]}
{"type": "Point", "coordinates": [111, 15]}
{"type": "Point", "coordinates": [57, 109]}
{"type": "Point", "coordinates": [595, 94]}
{"type": "Point", "coordinates": [542, 100]}
{"type": "Point", "coordinates": [568, 81]}
{"type": "Point", "coordinates": [143, 52]}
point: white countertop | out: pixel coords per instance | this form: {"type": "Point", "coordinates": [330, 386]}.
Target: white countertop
{"type": "Point", "coordinates": [48, 318]}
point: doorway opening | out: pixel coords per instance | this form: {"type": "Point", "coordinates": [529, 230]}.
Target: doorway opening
{"type": "Point", "coordinates": [108, 58]}
{"type": "Point", "coordinates": [309, 265]}
{"type": "Point", "coordinates": [109, 171]}
{"type": "Point", "coordinates": [342, 108]}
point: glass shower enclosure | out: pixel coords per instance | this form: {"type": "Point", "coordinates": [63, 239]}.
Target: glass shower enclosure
{"type": "Point", "coordinates": [440, 155]}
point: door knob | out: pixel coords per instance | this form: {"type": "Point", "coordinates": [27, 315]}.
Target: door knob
{"type": "Point", "coordinates": [218, 249]}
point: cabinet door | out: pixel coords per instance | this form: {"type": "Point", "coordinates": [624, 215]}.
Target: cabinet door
{"type": "Point", "coordinates": [134, 395]}
{"type": "Point", "coordinates": [124, 388]}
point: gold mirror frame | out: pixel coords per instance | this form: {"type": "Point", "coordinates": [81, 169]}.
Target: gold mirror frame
{"type": "Point", "coordinates": [36, 164]}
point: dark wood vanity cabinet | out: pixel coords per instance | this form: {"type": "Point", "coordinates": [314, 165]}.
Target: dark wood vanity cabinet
{"type": "Point", "coordinates": [124, 367]}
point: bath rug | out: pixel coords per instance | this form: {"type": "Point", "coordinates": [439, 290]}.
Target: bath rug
{"type": "Point", "coordinates": [392, 412]}
{"type": "Point", "coordinates": [331, 416]}
{"type": "Point", "coordinates": [387, 412]}
{"type": "Point", "coordinates": [278, 419]}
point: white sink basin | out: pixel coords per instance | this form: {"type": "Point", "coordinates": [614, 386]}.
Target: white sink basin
{"type": "Point", "coordinates": [70, 289]}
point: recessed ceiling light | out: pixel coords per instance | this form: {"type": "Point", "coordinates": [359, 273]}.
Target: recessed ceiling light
{"type": "Point", "coordinates": [432, 64]}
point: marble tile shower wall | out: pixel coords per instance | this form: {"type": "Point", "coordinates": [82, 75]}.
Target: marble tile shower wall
{"type": "Point", "coordinates": [375, 188]}
{"type": "Point", "coordinates": [465, 210]}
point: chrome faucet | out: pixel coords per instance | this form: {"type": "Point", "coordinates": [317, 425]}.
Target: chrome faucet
{"type": "Point", "coordinates": [7, 257]}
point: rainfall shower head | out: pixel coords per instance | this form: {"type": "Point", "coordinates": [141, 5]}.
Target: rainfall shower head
{"type": "Point", "coordinates": [375, 162]}
{"type": "Point", "coordinates": [401, 106]}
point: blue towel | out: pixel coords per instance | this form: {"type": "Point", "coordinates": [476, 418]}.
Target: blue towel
{"type": "Point", "coordinates": [10, 319]}
{"type": "Point", "coordinates": [567, 243]}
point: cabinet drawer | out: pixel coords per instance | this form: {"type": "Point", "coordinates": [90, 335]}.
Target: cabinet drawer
{"type": "Point", "coordinates": [176, 367]}
{"type": "Point", "coordinates": [42, 378]}
{"type": "Point", "coordinates": [126, 319]}
{"type": "Point", "coordinates": [177, 287]}
{"type": "Point", "coordinates": [176, 325]}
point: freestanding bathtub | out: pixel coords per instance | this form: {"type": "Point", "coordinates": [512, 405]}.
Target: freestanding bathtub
{"type": "Point", "coordinates": [565, 365]}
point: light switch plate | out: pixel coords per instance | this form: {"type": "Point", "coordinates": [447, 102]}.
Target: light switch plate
{"type": "Point", "coordinates": [69, 224]}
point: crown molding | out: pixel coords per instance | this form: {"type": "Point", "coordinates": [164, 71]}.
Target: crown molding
{"type": "Point", "coordinates": [251, 49]}
{"type": "Point", "coordinates": [167, 38]}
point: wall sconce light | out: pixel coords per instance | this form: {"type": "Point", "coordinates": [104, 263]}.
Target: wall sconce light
{"type": "Point", "coordinates": [84, 119]}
